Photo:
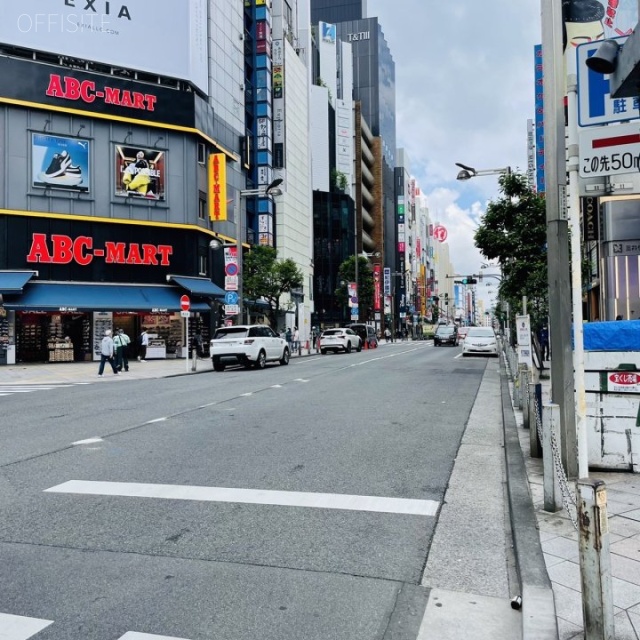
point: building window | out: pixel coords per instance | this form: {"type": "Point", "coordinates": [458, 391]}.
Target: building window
{"type": "Point", "coordinates": [202, 206]}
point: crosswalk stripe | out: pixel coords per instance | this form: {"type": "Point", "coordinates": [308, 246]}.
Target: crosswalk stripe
{"type": "Point", "coordinates": [133, 635]}
{"type": "Point", "coordinates": [20, 627]}
{"type": "Point", "coordinates": [404, 506]}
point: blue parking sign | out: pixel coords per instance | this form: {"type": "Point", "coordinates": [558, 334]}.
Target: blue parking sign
{"type": "Point", "coordinates": [595, 104]}
{"type": "Point", "coordinates": [231, 297]}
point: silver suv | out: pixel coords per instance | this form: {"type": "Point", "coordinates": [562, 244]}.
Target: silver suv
{"type": "Point", "coordinates": [252, 344]}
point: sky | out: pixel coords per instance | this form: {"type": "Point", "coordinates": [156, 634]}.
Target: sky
{"type": "Point", "coordinates": [464, 93]}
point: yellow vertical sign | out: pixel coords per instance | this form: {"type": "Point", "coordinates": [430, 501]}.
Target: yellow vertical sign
{"type": "Point", "coordinates": [217, 187]}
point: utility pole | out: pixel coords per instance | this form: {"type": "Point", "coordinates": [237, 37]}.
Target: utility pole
{"type": "Point", "coordinates": [557, 232]}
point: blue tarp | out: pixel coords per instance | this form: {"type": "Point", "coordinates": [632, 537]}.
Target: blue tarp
{"type": "Point", "coordinates": [617, 335]}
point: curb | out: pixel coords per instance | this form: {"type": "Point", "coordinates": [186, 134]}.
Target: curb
{"type": "Point", "coordinates": [538, 606]}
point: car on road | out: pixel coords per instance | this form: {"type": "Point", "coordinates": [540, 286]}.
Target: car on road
{"type": "Point", "coordinates": [340, 339]}
{"type": "Point", "coordinates": [446, 334]}
{"type": "Point", "coordinates": [249, 345]}
{"type": "Point", "coordinates": [480, 341]}
{"type": "Point", "coordinates": [367, 334]}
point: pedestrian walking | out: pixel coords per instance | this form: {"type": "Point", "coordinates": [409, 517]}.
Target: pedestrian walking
{"type": "Point", "coordinates": [121, 343]}
{"type": "Point", "coordinates": [198, 344]}
{"type": "Point", "coordinates": [387, 334]}
{"type": "Point", "coordinates": [296, 339]}
{"type": "Point", "coordinates": [144, 343]}
{"type": "Point", "coordinates": [288, 337]}
{"type": "Point", "coordinates": [106, 353]}
{"type": "Point", "coordinates": [543, 338]}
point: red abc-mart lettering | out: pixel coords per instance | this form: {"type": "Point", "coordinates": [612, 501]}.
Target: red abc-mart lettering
{"type": "Point", "coordinates": [63, 250]}
{"type": "Point", "coordinates": [70, 88]}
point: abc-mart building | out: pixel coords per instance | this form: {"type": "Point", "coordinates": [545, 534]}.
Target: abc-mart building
{"type": "Point", "coordinates": [109, 124]}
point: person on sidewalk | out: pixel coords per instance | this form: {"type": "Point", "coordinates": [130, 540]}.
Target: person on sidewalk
{"type": "Point", "coordinates": [387, 334]}
{"type": "Point", "coordinates": [296, 339]}
{"type": "Point", "coordinates": [144, 343]}
{"type": "Point", "coordinates": [121, 343]}
{"type": "Point", "coordinates": [543, 338]}
{"type": "Point", "coordinates": [106, 353]}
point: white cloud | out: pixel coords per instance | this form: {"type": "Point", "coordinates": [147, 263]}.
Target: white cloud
{"type": "Point", "coordinates": [464, 92]}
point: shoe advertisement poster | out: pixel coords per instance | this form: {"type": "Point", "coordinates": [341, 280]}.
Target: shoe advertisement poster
{"type": "Point", "coordinates": [60, 163]}
{"type": "Point", "coordinates": [140, 173]}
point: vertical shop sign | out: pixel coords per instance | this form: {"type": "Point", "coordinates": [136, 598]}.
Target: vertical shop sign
{"type": "Point", "coordinates": [217, 187]}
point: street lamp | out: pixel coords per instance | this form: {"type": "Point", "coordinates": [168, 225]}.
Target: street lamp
{"type": "Point", "coordinates": [467, 173]}
{"type": "Point", "coordinates": [240, 211]}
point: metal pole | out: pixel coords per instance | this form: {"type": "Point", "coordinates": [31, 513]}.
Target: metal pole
{"type": "Point", "coordinates": [595, 561]}
{"type": "Point", "coordinates": [576, 276]}
{"type": "Point", "coordinates": [186, 342]}
{"type": "Point", "coordinates": [557, 231]}
{"type": "Point", "coordinates": [239, 206]}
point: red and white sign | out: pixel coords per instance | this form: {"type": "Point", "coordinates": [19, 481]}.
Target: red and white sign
{"type": "Point", "coordinates": [607, 151]}
{"type": "Point", "coordinates": [440, 233]}
{"type": "Point", "coordinates": [62, 249]}
{"type": "Point", "coordinates": [623, 382]}
{"type": "Point", "coordinates": [377, 289]}
{"type": "Point", "coordinates": [185, 303]}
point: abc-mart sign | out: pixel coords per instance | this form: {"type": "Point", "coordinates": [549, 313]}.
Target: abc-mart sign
{"type": "Point", "coordinates": [595, 104]}
{"type": "Point", "coordinates": [130, 34]}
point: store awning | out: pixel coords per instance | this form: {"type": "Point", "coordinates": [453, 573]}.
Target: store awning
{"type": "Point", "coordinates": [198, 286]}
{"type": "Point", "coordinates": [66, 296]}
{"type": "Point", "coordinates": [14, 281]}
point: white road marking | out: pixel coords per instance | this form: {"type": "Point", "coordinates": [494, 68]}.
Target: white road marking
{"type": "Point", "coordinates": [87, 441]}
{"type": "Point", "coordinates": [377, 504]}
{"type": "Point", "coordinates": [204, 406]}
{"type": "Point", "coordinates": [20, 627]}
{"type": "Point", "coordinates": [276, 386]}
{"type": "Point", "coordinates": [244, 395]}
{"type": "Point", "coordinates": [301, 380]}
{"type": "Point", "coordinates": [156, 420]}
{"type": "Point", "coordinates": [133, 635]}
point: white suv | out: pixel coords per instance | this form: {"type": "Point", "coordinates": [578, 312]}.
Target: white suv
{"type": "Point", "coordinates": [253, 344]}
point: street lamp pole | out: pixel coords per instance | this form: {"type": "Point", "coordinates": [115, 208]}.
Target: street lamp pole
{"type": "Point", "coordinates": [239, 207]}
{"type": "Point", "coordinates": [558, 264]}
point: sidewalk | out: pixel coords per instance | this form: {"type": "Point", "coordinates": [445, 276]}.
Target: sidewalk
{"type": "Point", "coordinates": [559, 541]}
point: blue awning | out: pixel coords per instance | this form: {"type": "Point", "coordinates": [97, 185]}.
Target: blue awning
{"type": "Point", "coordinates": [54, 296]}
{"type": "Point", "coordinates": [14, 281]}
{"type": "Point", "coordinates": [198, 286]}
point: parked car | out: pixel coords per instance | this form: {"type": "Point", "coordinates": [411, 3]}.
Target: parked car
{"type": "Point", "coordinates": [340, 339]}
{"type": "Point", "coordinates": [480, 341]}
{"type": "Point", "coordinates": [446, 334]}
{"type": "Point", "coordinates": [367, 334]}
{"type": "Point", "coordinates": [248, 345]}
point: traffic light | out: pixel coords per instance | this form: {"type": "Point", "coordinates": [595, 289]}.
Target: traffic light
{"type": "Point", "coordinates": [469, 280]}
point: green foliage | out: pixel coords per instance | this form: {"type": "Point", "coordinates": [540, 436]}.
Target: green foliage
{"type": "Point", "coordinates": [513, 231]}
{"type": "Point", "coordinates": [338, 180]}
{"type": "Point", "coordinates": [264, 276]}
{"type": "Point", "coordinates": [347, 273]}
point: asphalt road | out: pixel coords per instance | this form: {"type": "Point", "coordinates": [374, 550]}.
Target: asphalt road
{"type": "Point", "coordinates": [132, 532]}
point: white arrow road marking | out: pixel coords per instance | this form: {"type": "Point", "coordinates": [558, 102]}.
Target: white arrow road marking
{"type": "Point", "coordinates": [19, 627]}
{"type": "Point", "coordinates": [377, 504]}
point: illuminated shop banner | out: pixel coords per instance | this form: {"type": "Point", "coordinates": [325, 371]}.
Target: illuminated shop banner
{"type": "Point", "coordinates": [140, 173]}
{"type": "Point", "coordinates": [59, 162]}
{"type": "Point", "coordinates": [122, 33]}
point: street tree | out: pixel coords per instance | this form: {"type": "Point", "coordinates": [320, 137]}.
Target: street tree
{"type": "Point", "coordinates": [268, 278]}
{"type": "Point", "coordinates": [346, 274]}
{"type": "Point", "coordinates": [513, 231]}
